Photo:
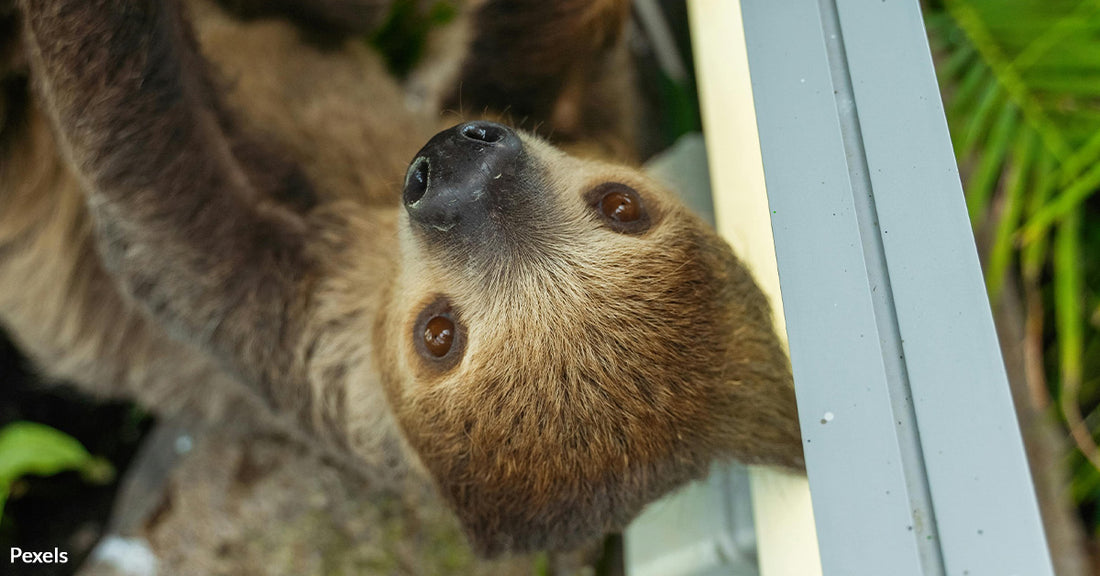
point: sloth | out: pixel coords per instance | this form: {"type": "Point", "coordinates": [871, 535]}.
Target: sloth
{"type": "Point", "coordinates": [199, 204]}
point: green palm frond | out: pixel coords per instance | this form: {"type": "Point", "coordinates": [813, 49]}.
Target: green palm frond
{"type": "Point", "coordinates": [1031, 63]}
{"type": "Point", "coordinates": [1021, 81]}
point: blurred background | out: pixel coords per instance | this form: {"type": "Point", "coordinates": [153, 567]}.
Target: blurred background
{"type": "Point", "coordinates": [1021, 86]}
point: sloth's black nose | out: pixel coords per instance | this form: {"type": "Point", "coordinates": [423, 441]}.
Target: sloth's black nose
{"type": "Point", "coordinates": [461, 174]}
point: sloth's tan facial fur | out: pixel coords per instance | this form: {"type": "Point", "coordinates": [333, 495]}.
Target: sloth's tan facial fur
{"type": "Point", "coordinates": [554, 339]}
{"type": "Point", "coordinates": [601, 362]}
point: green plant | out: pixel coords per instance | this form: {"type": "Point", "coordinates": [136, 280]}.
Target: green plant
{"type": "Point", "coordinates": [403, 36]}
{"type": "Point", "coordinates": [1021, 81]}
{"type": "Point", "coordinates": [30, 448]}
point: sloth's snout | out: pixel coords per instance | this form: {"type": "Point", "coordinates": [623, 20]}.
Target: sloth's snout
{"type": "Point", "coordinates": [461, 175]}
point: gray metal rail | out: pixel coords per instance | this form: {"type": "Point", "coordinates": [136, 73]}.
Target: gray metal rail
{"type": "Point", "coordinates": [915, 459]}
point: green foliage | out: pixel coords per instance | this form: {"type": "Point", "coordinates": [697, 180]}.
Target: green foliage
{"type": "Point", "coordinates": [679, 108]}
{"type": "Point", "coordinates": [1021, 80]}
{"type": "Point", "coordinates": [28, 448]}
{"type": "Point", "coordinates": [403, 36]}
{"type": "Point", "coordinates": [541, 564]}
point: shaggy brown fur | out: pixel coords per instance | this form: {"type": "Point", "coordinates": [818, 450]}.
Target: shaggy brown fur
{"type": "Point", "coordinates": [193, 234]}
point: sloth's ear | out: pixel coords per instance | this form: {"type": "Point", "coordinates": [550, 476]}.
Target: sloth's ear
{"type": "Point", "coordinates": [183, 225]}
{"type": "Point", "coordinates": [762, 426]}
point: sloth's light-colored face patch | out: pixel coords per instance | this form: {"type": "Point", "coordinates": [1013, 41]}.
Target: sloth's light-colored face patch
{"type": "Point", "coordinates": [583, 220]}
{"type": "Point", "coordinates": [593, 219]}
{"type": "Point", "coordinates": [584, 209]}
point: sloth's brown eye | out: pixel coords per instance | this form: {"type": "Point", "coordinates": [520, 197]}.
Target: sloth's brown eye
{"type": "Point", "coordinates": [621, 205]}
{"type": "Point", "coordinates": [439, 334]}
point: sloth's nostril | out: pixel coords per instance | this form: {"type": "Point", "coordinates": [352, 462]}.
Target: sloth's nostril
{"type": "Point", "coordinates": [416, 180]}
{"type": "Point", "coordinates": [487, 133]}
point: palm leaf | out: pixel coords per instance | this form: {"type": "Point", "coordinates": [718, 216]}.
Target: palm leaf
{"type": "Point", "coordinates": [1021, 82]}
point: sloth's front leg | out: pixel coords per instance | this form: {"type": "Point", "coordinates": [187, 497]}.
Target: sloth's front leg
{"type": "Point", "coordinates": [558, 68]}
{"type": "Point", "coordinates": [182, 226]}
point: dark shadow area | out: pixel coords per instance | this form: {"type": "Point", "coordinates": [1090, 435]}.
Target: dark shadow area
{"type": "Point", "coordinates": [63, 511]}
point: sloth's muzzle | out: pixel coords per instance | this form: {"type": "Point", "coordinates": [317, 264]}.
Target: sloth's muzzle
{"type": "Point", "coordinates": [461, 175]}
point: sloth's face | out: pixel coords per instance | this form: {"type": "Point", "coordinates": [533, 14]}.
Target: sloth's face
{"type": "Point", "coordinates": [572, 342]}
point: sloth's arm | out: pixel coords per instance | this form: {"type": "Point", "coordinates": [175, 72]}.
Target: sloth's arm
{"type": "Point", "coordinates": [558, 67]}
{"type": "Point", "coordinates": [182, 225]}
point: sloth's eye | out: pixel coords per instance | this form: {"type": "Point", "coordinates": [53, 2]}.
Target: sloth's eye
{"type": "Point", "coordinates": [620, 206]}
{"type": "Point", "coordinates": [439, 334]}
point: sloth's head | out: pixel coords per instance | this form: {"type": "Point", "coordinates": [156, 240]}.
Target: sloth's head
{"type": "Point", "coordinates": [572, 342]}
